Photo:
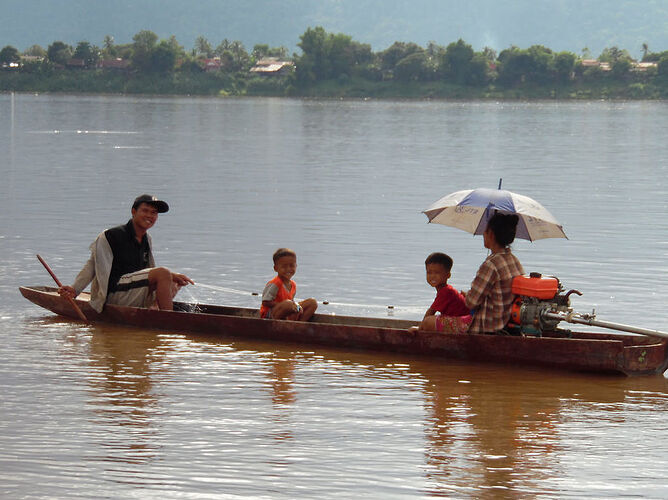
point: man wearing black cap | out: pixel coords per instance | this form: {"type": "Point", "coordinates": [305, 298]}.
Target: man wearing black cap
{"type": "Point", "coordinates": [121, 268]}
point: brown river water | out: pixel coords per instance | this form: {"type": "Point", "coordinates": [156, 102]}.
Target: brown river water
{"type": "Point", "coordinates": [112, 412]}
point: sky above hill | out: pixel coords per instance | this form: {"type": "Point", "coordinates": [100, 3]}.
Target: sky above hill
{"type": "Point", "coordinates": [560, 25]}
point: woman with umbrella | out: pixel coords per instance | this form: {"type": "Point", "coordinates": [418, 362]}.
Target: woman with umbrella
{"type": "Point", "coordinates": [490, 296]}
{"type": "Point", "coordinates": [500, 216]}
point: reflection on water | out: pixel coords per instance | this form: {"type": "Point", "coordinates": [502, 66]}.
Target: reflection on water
{"type": "Point", "coordinates": [504, 434]}
{"type": "Point", "coordinates": [480, 437]}
{"type": "Point", "coordinates": [115, 412]}
{"type": "Point", "coordinates": [283, 394]}
{"type": "Point", "coordinates": [488, 439]}
{"type": "Point", "coordinates": [124, 400]}
{"type": "Point", "coordinates": [256, 416]}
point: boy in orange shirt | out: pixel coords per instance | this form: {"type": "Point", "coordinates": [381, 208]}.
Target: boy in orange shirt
{"type": "Point", "coordinates": [279, 293]}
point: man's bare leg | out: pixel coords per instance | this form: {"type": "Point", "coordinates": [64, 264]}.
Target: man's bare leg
{"type": "Point", "coordinates": [160, 280]}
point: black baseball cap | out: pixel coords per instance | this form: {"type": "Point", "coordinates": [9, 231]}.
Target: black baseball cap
{"type": "Point", "coordinates": [151, 200]}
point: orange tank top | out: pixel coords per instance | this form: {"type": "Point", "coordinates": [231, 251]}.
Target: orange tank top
{"type": "Point", "coordinates": [281, 295]}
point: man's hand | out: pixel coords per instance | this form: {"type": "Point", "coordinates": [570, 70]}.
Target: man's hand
{"type": "Point", "coordinates": [67, 291]}
{"type": "Point", "coordinates": [181, 279]}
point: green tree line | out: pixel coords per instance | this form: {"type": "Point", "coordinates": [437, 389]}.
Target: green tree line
{"type": "Point", "coordinates": [333, 64]}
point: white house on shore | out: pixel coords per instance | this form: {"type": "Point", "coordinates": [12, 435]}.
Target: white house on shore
{"type": "Point", "coordinates": [271, 66]}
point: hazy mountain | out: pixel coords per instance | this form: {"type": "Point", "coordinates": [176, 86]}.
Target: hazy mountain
{"type": "Point", "coordinates": [558, 24]}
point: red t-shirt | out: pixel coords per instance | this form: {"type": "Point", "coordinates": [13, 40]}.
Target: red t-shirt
{"type": "Point", "coordinates": [450, 302]}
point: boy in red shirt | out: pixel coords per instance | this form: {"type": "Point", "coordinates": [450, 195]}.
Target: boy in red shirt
{"type": "Point", "coordinates": [448, 313]}
{"type": "Point", "coordinates": [279, 293]}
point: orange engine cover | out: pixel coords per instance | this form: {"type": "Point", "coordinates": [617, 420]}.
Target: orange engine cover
{"type": "Point", "coordinates": [535, 285]}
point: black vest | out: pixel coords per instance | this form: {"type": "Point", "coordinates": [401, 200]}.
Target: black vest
{"type": "Point", "coordinates": [129, 254]}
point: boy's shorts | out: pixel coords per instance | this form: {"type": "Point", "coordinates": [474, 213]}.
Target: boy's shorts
{"type": "Point", "coordinates": [267, 315]}
{"type": "Point", "coordinates": [132, 290]}
{"type": "Point", "coordinates": [453, 324]}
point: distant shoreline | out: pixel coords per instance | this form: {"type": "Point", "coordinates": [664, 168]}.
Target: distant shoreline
{"type": "Point", "coordinates": [333, 66]}
{"type": "Point", "coordinates": [354, 89]}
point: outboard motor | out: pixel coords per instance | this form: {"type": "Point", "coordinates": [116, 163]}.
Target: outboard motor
{"type": "Point", "coordinates": [537, 295]}
{"type": "Point", "coordinates": [541, 304]}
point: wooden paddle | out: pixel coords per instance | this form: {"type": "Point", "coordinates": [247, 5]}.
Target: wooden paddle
{"type": "Point", "coordinates": [70, 299]}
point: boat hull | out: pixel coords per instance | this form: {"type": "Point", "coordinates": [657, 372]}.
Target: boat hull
{"type": "Point", "coordinates": [582, 351]}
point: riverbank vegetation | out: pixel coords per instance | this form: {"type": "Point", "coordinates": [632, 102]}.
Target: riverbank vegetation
{"type": "Point", "coordinates": [333, 65]}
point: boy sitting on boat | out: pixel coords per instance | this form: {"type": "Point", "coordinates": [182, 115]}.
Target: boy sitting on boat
{"type": "Point", "coordinates": [448, 313]}
{"type": "Point", "coordinates": [279, 293]}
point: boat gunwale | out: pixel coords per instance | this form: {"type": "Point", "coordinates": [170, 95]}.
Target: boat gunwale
{"type": "Point", "coordinates": [336, 320]}
{"type": "Point", "coordinates": [381, 335]}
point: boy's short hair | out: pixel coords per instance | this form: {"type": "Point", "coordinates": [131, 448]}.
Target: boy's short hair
{"type": "Point", "coordinates": [283, 252]}
{"type": "Point", "coordinates": [439, 258]}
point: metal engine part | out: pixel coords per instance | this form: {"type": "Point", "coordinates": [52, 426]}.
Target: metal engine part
{"type": "Point", "coordinates": [532, 314]}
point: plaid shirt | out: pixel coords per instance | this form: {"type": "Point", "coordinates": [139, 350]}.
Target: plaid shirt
{"type": "Point", "coordinates": [491, 294]}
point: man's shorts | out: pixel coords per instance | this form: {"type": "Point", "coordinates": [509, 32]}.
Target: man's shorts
{"type": "Point", "coordinates": [132, 290]}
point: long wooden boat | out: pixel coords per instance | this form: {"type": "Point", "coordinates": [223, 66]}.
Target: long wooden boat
{"type": "Point", "coordinates": [563, 349]}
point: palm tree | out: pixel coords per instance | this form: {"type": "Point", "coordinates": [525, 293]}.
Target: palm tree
{"type": "Point", "coordinates": [109, 48]}
{"type": "Point", "coordinates": [203, 47]}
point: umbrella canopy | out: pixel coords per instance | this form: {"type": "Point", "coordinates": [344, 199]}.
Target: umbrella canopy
{"type": "Point", "coordinates": [470, 210]}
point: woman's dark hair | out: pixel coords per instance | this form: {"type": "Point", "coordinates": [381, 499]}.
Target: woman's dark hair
{"type": "Point", "coordinates": [504, 227]}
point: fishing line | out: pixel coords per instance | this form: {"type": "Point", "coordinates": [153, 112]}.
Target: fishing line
{"type": "Point", "coordinates": [324, 302]}
{"type": "Point", "coordinates": [228, 290]}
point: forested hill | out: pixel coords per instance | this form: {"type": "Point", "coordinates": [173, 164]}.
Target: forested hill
{"type": "Point", "coordinates": [569, 25]}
